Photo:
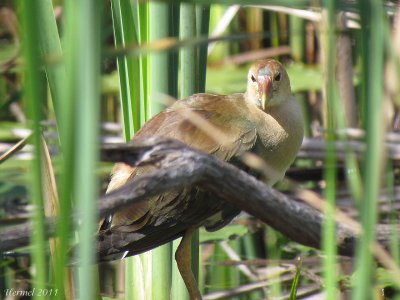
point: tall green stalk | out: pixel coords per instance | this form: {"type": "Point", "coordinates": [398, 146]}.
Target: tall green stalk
{"type": "Point", "coordinates": [274, 29]}
{"type": "Point", "coordinates": [162, 80]}
{"type": "Point", "coordinates": [141, 19]}
{"type": "Point", "coordinates": [188, 86]}
{"type": "Point", "coordinates": [189, 55]}
{"type": "Point", "coordinates": [83, 57]}
{"type": "Point", "coordinates": [128, 67]}
{"type": "Point", "coordinates": [50, 45]}
{"type": "Point", "coordinates": [163, 67]}
{"type": "Point", "coordinates": [131, 27]}
{"type": "Point", "coordinates": [297, 38]}
{"type": "Point", "coordinates": [371, 13]}
{"type": "Point", "coordinates": [202, 26]}
{"type": "Point", "coordinates": [329, 231]}
{"type": "Point", "coordinates": [34, 104]}
{"type": "Point", "coordinates": [394, 238]}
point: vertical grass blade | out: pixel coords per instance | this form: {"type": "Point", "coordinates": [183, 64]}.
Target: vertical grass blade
{"type": "Point", "coordinates": [220, 50]}
{"type": "Point", "coordinates": [274, 255]}
{"type": "Point", "coordinates": [130, 22]}
{"type": "Point", "coordinates": [329, 231]}
{"type": "Point", "coordinates": [33, 63]}
{"type": "Point", "coordinates": [297, 38]}
{"type": "Point", "coordinates": [274, 29]}
{"type": "Point", "coordinates": [373, 40]}
{"type": "Point", "coordinates": [188, 86]}
{"type": "Point", "coordinates": [162, 80]}
{"type": "Point", "coordinates": [122, 71]}
{"type": "Point", "coordinates": [141, 19]}
{"type": "Point", "coordinates": [67, 129]}
{"type": "Point", "coordinates": [83, 84]}
{"type": "Point", "coordinates": [202, 26]}
{"type": "Point", "coordinates": [295, 283]}
{"type": "Point", "coordinates": [394, 238]}
{"type": "Point", "coordinates": [162, 77]}
{"type": "Point", "coordinates": [50, 45]}
{"type": "Point", "coordinates": [128, 67]}
{"type": "Point", "coordinates": [188, 59]}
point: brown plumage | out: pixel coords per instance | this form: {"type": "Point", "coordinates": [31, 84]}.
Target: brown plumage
{"type": "Point", "coordinates": [266, 119]}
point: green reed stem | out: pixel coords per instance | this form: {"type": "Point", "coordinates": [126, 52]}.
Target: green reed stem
{"type": "Point", "coordinates": [33, 63]}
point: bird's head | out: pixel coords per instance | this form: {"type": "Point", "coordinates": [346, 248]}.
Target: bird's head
{"type": "Point", "coordinates": [267, 84]}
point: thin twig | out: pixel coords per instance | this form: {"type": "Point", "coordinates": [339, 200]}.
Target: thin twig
{"type": "Point", "coordinates": [14, 149]}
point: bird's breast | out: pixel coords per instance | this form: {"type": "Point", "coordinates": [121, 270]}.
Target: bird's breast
{"type": "Point", "coordinates": [280, 135]}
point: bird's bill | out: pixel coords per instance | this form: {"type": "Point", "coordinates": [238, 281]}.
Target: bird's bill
{"type": "Point", "coordinates": [265, 88]}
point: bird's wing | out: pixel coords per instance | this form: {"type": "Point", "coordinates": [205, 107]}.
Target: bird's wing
{"type": "Point", "coordinates": [189, 121]}
{"type": "Point", "coordinates": [213, 124]}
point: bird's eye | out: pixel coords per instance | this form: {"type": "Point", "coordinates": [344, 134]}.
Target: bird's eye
{"type": "Point", "coordinates": [253, 78]}
{"type": "Point", "coordinates": [277, 77]}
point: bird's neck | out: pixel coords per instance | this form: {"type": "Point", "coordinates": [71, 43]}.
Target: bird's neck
{"type": "Point", "coordinates": [281, 133]}
{"type": "Point", "coordinates": [251, 97]}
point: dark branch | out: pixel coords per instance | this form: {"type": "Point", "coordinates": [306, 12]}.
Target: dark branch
{"type": "Point", "coordinates": [183, 166]}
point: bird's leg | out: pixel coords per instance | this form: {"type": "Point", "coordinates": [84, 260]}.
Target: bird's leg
{"type": "Point", "coordinates": [183, 259]}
